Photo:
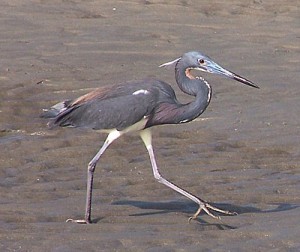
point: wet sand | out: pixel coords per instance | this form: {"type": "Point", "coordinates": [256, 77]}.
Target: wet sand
{"type": "Point", "coordinates": [242, 154]}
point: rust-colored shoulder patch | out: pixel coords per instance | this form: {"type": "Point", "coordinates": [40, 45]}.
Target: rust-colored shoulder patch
{"type": "Point", "coordinates": [97, 93]}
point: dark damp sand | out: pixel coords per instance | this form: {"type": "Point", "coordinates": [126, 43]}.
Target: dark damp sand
{"type": "Point", "coordinates": [242, 154]}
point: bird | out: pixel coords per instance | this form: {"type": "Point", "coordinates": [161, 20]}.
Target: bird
{"type": "Point", "coordinates": [137, 106]}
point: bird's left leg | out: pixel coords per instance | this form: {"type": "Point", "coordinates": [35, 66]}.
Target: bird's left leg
{"type": "Point", "coordinates": [113, 135]}
{"type": "Point", "coordinates": [203, 205]}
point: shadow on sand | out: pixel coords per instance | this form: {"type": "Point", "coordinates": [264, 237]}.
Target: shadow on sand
{"type": "Point", "coordinates": [190, 208]}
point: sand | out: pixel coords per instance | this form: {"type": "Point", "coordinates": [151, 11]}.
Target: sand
{"type": "Point", "coordinates": [242, 154]}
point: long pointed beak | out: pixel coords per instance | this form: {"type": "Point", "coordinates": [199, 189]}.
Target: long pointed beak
{"type": "Point", "coordinates": [240, 79]}
{"type": "Point", "coordinates": [213, 67]}
{"type": "Point", "coordinates": [243, 80]}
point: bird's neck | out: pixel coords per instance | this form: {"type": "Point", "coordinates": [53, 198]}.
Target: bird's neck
{"type": "Point", "coordinates": [195, 86]}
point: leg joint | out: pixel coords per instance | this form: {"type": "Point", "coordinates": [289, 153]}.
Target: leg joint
{"type": "Point", "coordinates": [158, 177]}
{"type": "Point", "coordinates": [91, 167]}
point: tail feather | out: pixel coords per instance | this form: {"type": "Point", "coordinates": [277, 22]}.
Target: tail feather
{"type": "Point", "coordinates": [55, 110]}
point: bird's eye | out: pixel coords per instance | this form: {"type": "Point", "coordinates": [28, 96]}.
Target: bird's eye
{"type": "Point", "coordinates": [201, 61]}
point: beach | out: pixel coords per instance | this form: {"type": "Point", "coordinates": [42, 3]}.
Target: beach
{"type": "Point", "coordinates": [242, 154]}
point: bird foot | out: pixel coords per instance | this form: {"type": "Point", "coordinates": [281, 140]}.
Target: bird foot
{"type": "Point", "coordinates": [79, 221]}
{"type": "Point", "coordinates": [205, 207]}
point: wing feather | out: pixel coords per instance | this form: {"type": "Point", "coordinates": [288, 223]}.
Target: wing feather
{"type": "Point", "coordinates": [117, 112]}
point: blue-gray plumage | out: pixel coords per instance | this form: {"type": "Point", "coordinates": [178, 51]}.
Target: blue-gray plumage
{"type": "Point", "coordinates": [137, 106]}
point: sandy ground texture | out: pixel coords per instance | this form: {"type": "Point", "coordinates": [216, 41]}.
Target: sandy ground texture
{"type": "Point", "coordinates": [242, 154]}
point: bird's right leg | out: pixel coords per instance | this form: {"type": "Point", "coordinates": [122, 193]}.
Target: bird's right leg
{"type": "Point", "coordinates": [113, 135]}
{"type": "Point", "coordinates": [203, 205]}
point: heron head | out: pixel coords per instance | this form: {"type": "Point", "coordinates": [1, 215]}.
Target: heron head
{"type": "Point", "coordinates": [199, 61]}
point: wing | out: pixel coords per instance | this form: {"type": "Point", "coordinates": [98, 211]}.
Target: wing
{"type": "Point", "coordinates": [101, 93]}
{"type": "Point", "coordinates": [115, 112]}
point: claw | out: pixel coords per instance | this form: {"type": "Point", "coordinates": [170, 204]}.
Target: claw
{"type": "Point", "coordinates": [78, 221]}
{"type": "Point", "coordinates": [195, 215]}
{"type": "Point", "coordinates": [205, 208]}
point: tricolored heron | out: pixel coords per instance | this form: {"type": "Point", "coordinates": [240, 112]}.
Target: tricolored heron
{"type": "Point", "coordinates": [137, 106]}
